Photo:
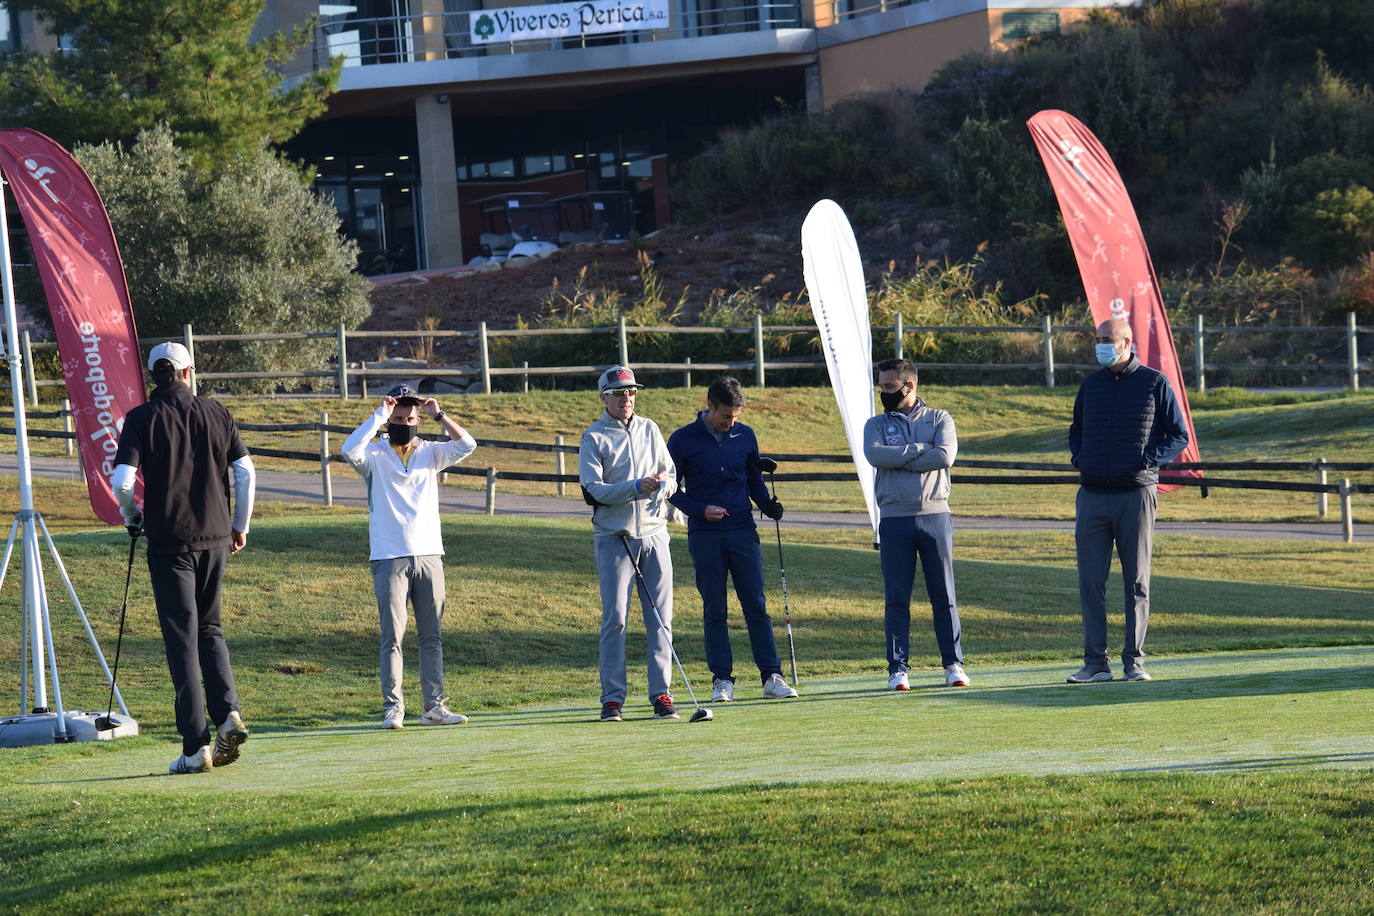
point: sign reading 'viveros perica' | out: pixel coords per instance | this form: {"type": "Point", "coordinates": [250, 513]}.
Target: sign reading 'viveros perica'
{"type": "Point", "coordinates": [558, 20]}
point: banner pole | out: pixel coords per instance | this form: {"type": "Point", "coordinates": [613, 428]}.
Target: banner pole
{"type": "Point", "coordinates": [28, 533]}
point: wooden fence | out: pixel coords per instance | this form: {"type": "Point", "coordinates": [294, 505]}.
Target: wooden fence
{"type": "Point", "coordinates": [759, 365]}
{"type": "Point", "coordinates": [1043, 472]}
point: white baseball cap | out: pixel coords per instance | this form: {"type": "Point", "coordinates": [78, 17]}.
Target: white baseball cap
{"type": "Point", "coordinates": [173, 352]}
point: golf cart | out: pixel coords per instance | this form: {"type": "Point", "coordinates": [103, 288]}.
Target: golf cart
{"type": "Point", "coordinates": [595, 216]}
{"type": "Point", "coordinates": [524, 223]}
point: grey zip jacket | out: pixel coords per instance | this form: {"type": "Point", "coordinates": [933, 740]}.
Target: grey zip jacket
{"type": "Point", "coordinates": [913, 455]}
{"type": "Point", "coordinates": [612, 458]}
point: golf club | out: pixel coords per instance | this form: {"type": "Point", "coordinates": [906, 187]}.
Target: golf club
{"type": "Point", "coordinates": [702, 714]}
{"type": "Point", "coordinates": [107, 722]}
{"type": "Point", "coordinates": [768, 465]}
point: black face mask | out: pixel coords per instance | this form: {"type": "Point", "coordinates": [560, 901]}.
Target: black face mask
{"type": "Point", "coordinates": [891, 399]}
{"type": "Point", "coordinates": [400, 433]}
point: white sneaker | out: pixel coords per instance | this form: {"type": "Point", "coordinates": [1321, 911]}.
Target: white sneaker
{"type": "Point", "coordinates": [199, 762]}
{"type": "Point", "coordinates": [775, 688]}
{"type": "Point", "coordinates": [898, 681]}
{"type": "Point", "coordinates": [955, 676]}
{"type": "Point", "coordinates": [722, 690]}
{"type": "Point", "coordinates": [439, 714]}
{"type": "Point", "coordinates": [394, 718]}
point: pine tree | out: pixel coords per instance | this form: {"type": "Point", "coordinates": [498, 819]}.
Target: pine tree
{"type": "Point", "coordinates": [191, 64]}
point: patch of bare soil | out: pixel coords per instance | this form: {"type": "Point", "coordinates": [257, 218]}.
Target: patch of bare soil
{"type": "Point", "coordinates": [759, 255]}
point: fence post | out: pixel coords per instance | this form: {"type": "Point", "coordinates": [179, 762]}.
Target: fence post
{"type": "Point", "coordinates": [342, 334]}
{"type": "Point", "coordinates": [326, 482]}
{"type": "Point", "coordinates": [525, 377]}
{"type": "Point", "coordinates": [1347, 520]}
{"type": "Point", "coordinates": [687, 374]}
{"type": "Point", "coordinates": [67, 423]}
{"type": "Point", "coordinates": [1321, 482]}
{"type": "Point", "coordinates": [1047, 349]}
{"type": "Point", "coordinates": [30, 381]}
{"type": "Point", "coordinates": [189, 341]}
{"type": "Point", "coordinates": [1199, 355]}
{"type": "Point", "coordinates": [898, 332]}
{"type": "Point", "coordinates": [485, 356]}
{"type": "Point", "coordinates": [758, 349]}
{"type": "Point", "coordinates": [1351, 345]}
{"type": "Point", "coordinates": [558, 460]}
{"type": "Point", "coordinates": [621, 341]}
{"type": "Point", "coordinates": [491, 491]}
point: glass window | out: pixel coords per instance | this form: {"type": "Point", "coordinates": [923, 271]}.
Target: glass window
{"type": "Point", "coordinates": [538, 165]}
{"type": "Point", "coordinates": [501, 168]}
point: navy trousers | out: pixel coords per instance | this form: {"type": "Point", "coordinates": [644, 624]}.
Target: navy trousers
{"type": "Point", "coordinates": [901, 540]}
{"type": "Point", "coordinates": [734, 552]}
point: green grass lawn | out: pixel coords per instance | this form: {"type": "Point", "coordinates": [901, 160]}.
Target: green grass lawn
{"type": "Point", "coordinates": [994, 423]}
{"type": "Point", "coordinates": [1237, 781]}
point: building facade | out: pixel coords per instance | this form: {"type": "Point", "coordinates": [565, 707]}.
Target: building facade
{"type": "Point", "coordinates": [451, 114]}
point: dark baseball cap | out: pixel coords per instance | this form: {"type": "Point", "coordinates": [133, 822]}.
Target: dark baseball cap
{"type": "Point", "coordinates": [405, 396]}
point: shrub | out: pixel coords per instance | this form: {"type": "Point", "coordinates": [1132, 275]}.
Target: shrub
{"type": "Point", "coordinates": [250, 249]}
{"type": "Point", "coordinates": [996, 183]}
{"type": "Point", "coordinates": [1294, 30]}
{"type": "Point", "coordinates": [1122, 94]}
{"type": "Point", "coordinates": [1335, 227]}
{"type": "Point", "coordinates": [1329, 113]}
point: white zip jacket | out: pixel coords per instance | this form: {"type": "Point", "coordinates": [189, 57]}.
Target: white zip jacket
{"type": "Point", "coordinates": [612, 458]}
{"type": "Point", "coordinates": [402, 500]}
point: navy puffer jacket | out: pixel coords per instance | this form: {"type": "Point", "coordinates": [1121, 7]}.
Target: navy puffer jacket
{"type": "Point", "coordinates": [1125, 425]}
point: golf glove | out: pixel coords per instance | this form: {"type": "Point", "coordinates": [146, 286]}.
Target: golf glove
{"type": "Point", "coordinates": [773, 510]}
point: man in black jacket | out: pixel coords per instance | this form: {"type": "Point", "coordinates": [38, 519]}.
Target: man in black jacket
{"type": "Point", "coordinates": [185, 445]}
{"type": "Point", "coordinates": [1126, 423]}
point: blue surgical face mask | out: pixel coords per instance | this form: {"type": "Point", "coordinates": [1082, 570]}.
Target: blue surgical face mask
{"type": "Point", "coordinates": [1107, 355]}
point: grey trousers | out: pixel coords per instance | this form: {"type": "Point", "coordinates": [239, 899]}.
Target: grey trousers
{"type": "Point", "coordinates": [421, 580]}
{"type": "Point", "coordinates": [1128, 521]}
{"type": "Point", "coordinates": [617, 577]}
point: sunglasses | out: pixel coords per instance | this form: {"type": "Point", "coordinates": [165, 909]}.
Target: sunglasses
{"type": "Point", "coordinates": [621, 392]}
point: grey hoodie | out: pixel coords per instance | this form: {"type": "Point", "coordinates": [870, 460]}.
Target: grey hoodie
{"type": "Point", "coordinates": [913, 457]}
{"type": "Point", "coordinates": [612, 459]}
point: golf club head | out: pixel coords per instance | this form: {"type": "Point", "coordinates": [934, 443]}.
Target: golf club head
{"type": "Point", "coordinates": [105, 723]}
{"type": "Point", "coordinates": [767, 465]}
{"type": "Point", "coordinates": [702, 715]}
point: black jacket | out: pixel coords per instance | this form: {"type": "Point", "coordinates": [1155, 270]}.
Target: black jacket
{"type": "Point", "coordinates": [184, 446]}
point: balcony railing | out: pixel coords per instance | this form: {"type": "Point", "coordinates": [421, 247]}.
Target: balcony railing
{"type": "Point", "coordinates": [405, 39]}
{"type": "Point", "coordinates": [843, 10]}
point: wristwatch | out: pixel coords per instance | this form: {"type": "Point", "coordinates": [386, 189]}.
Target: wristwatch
{"type": "Point", "coordinates": [439, 416]}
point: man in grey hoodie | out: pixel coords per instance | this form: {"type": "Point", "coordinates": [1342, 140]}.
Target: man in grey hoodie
{"type": "Point", "coordinates": [627, 477]}
{"type": "Point", "coordinates": [913, 445]}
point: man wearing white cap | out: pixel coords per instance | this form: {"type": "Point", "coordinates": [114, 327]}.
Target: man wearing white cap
{"type": "Point", "coordinates": [407, 557]}
{"type": "Point", "coordinates": [185, 445]}
{"type": "Point", "coordinates": [627, 476]}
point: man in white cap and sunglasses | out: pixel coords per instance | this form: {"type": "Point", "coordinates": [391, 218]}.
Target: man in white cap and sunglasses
{"type": "Point", "coordinates": [401, 473]}
{"type": "Point", "coordinates": [185, 445]}
{"type": "Point", "coordinates": [627, 476]}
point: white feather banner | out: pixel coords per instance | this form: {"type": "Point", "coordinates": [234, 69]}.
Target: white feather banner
{"type": "Point", "coordinates": [835, 285]}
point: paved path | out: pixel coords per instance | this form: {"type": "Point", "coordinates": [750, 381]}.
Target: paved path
{"type": "Point", "coordinates": [287, 486]}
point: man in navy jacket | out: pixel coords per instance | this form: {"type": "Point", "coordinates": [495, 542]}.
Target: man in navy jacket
{"type": "Point", "coordinates": [1126, 423]}
{"type": "Point", "coordinates": [717, 461]}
